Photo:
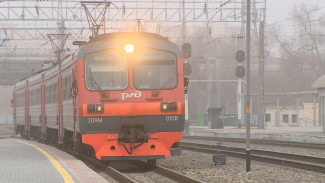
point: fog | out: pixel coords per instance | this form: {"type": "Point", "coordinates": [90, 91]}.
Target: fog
{"type": "Point", "coordinates": [294, 42]}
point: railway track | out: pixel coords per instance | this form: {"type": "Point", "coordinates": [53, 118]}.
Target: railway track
{"type": "Point", "coordinates": [126, 177]}
{"type": "Point", "coordinates": [316, 164]}
{"type": "Point", "coordinates": [259, 141]}
{"type": "Point", "coordinates": [168, 173]}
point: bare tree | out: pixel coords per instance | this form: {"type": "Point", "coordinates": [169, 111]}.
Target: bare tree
{"type": "Point", "coordinates": [301, 50]}
{"type": "Point", "coordinates": [309, 30]}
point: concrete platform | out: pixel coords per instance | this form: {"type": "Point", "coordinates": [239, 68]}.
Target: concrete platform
{"type": "Point", "coordinates": [28, 161]}
{"type": "Point", "coordinates": [291, 134]}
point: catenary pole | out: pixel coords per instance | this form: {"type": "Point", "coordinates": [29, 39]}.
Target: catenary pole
{"type": "Point", "coordinates": [248, 37]}
{"type": "Point", "coordinates": [260, 105]}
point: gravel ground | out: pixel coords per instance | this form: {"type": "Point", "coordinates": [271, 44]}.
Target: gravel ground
{"type": "Point", "coordinates": [202, 167]}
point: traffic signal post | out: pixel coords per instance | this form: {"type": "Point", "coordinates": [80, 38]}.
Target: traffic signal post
{"type": "Point", "coordinates": [240, 73]}
{"type": "Point", "coordinates": [187, 70]}
{"type": "Point", "coordinates": [187, 50]}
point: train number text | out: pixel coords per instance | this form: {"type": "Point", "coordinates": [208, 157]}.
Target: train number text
{"type": "Point", "coordinates": [171, 118]}
{"type": "Point", "coordinates": [95, 120]}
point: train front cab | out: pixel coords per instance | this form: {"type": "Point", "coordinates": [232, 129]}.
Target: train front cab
{"type": "Point", "coordinates": [139, 137]}
{"type": "Point", "coordinates": [139, 112]}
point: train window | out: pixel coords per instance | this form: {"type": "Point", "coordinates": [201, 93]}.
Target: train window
{"type": "Point", "coordinates": [21, 100]}
{"type": "Point", "coordinates": [55, 93]}
{"type": "Point", "coordinates": [106, 70]}
{"type": "Point", "coordinates": [35, 97]}
{"type": "Point", "coordinates": [38, 96]}
{"type": "Point", "coordinates": [32, 97]}
{"type": "Point", "coordinates": [51, 93]}
{"type": "Point", "coordinates": [67, 88]}
{"type": "Point", "coordinates": [155, 69]}
{"type": "Point", "coordinates": [47, 94]}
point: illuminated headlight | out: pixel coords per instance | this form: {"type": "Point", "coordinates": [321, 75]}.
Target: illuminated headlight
{"type": "Point", "coordinates": [95, 108]}
{"type": "Point", "coordinates": [168, 106]}
{"type": "Point", "coordinates": [129, 48]}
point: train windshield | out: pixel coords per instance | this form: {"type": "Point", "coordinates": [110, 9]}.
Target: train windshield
{"type": "Point", "coordinates": [105, 70]}
{"type": "Point", "coordinates": [155, 69]}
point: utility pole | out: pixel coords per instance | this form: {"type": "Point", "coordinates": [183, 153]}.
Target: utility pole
{"type": "Point", "coordinates": [185, 61]}
{"type": "Point", "coordinates": [183, 32]}
{"type": "Point", "coordinates": [248, 111]}
{"type": "Point", "coordinates": [239, 103]}
{"type": "Point", "coordinates": [261, 107]}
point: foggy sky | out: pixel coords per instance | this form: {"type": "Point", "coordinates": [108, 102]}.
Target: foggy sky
{"type": "Point", "coordinates": [278, 10]}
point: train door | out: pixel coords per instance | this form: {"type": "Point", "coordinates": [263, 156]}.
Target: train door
{"type": "Point", "coordinates": [74, 93]}
{"type": "Point", "coordinates": [43, 118]}
{"type": "Point", "coordinates": [27, 116]}
{"type": "Point", "coordinates": [60, 111]}
{"type": "Point", "coordinates": [14, 105]}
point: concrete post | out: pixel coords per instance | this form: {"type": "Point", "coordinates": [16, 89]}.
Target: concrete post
{"type": "Point", "coordinates": [251, 106]}
{"type": "Point", "coordinates": [297, 110]}
{"type": "Point", "coordinates": [277, 113]}
{"type": "Point", "coordinates": [239, 103]}
{"type": "Point", "coordinates": [260, 102]}
{"type": "Point", "coordinates": [323, 113]}
{"type": "Point", "coordinates": [319, 110]}
{"type": "Point", "coordinates": [314, 110]}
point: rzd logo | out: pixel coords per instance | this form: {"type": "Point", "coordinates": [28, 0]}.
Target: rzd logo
{"type": "Point", "coordinates": [136, 94]}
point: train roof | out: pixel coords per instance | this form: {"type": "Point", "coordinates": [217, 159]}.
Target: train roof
{"type": "Point", "coordinates": [110, 40]}
{"type": "Point", "coordinates": [21, 84]}
{"type": "Point", "coordinates": [29, 81]}
{"type": "Point", "coordinates": [35, 79]}
{"type": "Point", "coordinates": [46, 74]}
{"type": "Point", "coordinates": [129, 35]}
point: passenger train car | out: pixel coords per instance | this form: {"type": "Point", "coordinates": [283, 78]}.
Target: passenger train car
{"type": "Point", "coordinates": [122, 94]}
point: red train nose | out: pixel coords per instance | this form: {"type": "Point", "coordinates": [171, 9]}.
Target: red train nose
{"type": "Point", "coordinates": [108, 146]}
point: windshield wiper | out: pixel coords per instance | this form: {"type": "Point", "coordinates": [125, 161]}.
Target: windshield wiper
{"type": "Point", "coordinates": [155, 93]}
{"type": "Point", "coordinates": [94, 83]}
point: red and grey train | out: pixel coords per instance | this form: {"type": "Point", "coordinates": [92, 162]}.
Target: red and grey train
{"type": "Point", "coordinates": [122, 94]}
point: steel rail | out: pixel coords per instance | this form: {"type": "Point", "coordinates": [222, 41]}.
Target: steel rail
{"type": "Point", "coordinates": [175, 175]}
{"type": "Point", "coordinates": [284, 159]}
{"type": "Point", "coordinates": [167, 172]}
{"type": "Point", "coordinates": [260, 141]}
{"type": "Point", "coordinates": [112, 172]}
{"type": "Point", "coordinates": [122, 177]}
{"type": "Point", "coordinates": [261, 152]}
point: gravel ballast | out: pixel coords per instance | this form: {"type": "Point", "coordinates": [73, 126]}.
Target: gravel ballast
{"type": "Point", "coordinates": [202, 167]}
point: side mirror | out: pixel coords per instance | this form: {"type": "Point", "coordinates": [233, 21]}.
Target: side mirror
{"type": "Point", "coordinates": [186, 82]}
{"type": "Point", "coordinates": [12, 102]}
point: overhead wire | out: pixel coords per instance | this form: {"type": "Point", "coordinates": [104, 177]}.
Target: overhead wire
{"type": "Point", "coordinates": [177, 26]}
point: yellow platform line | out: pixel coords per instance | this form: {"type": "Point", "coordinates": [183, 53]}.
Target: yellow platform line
{"type": "Point", "coordinates": [67, 178]}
